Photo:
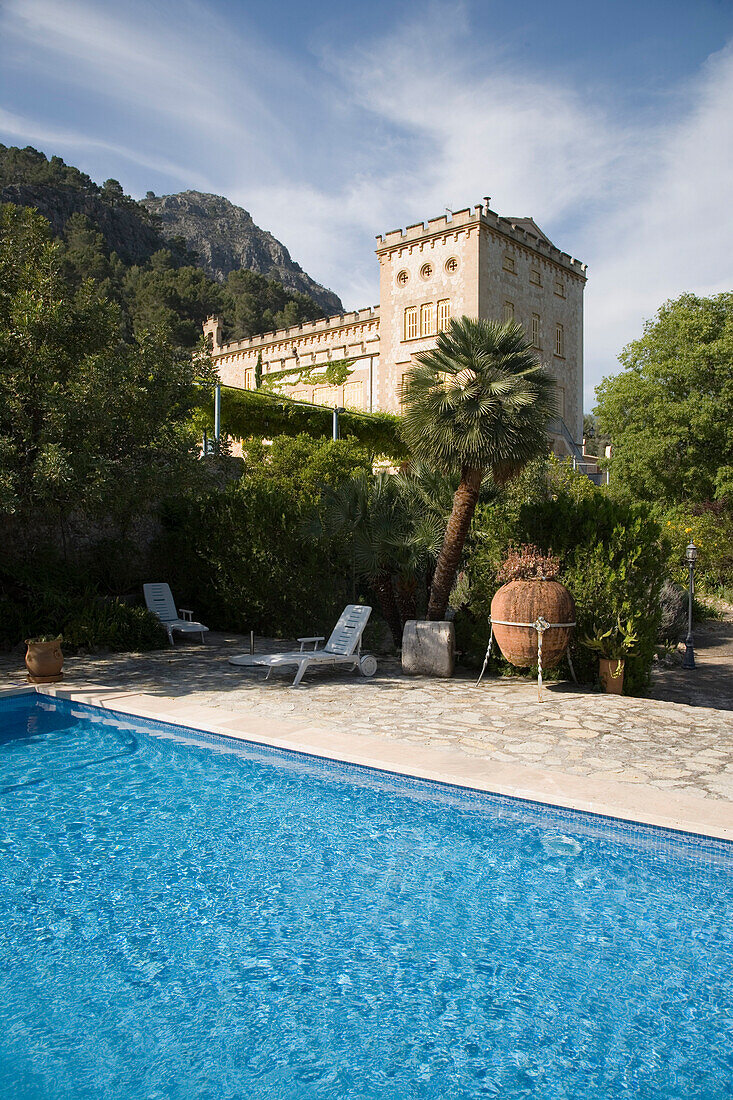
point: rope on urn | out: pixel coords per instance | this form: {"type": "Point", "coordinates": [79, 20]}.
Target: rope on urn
{"type": "Point", "coordinates": [535, 596]}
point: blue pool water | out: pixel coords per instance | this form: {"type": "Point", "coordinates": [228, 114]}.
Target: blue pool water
{"type": "Point", "coordinates": [183, 916]}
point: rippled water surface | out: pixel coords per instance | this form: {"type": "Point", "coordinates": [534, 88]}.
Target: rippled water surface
{"type": "Point", "coordinates": [181, 917]}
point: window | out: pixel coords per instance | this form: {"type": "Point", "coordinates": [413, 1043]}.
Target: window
{"type": "Point", "coordinates": [411, 323]}
{"type": "Point", "coordinates": [427, 319]}
{"type": "Point", "coordinates": [451, 265]}
{"type": "Point", "coordinates": [443, 314]}
{"type": "Point", "coordinates": [403, 278]}
{"type": "Point", "coordinates": [559, 340]}
{"type": "Point", "coordinates": [248, 379]}
{"type": "Point", "coordinates": [535, 330]}
{"type": "Point", "coordinates": [560, 288]}
{"type": "Point", "coordinates": [354, 395]}
{"type": "Point", "coordinates": [508, 311]}
{"type": "Point", "coordinates": [426, 271]}
{"type": "Point", "coordinates": [508, 264]}
{"type": "Point", "coordinates": [535, 277]}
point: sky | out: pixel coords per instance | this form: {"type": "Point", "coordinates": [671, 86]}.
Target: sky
{"type": "Point", "coordinates": [609, 123]}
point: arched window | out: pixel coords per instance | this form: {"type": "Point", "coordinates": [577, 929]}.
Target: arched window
{"type": "Point", "coordinates": [427, 319]}
{"type": "Point", "coordinates": [411, 330]}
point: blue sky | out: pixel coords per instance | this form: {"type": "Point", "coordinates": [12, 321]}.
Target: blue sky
{"type": "Point", "coordinates": [609, 123]}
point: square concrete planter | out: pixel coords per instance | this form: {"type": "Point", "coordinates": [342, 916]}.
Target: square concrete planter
{"type": "Point", "coordinates": [428, 649]}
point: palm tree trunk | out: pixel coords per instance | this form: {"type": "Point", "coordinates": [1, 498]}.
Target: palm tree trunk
{"type": "Point", "coordinates": [464, 505]}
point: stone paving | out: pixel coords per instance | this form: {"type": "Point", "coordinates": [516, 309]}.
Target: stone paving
{"type": "Point", "coordinates": [658, 743]}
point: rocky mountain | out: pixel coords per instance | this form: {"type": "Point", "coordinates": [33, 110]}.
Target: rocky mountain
{"type": "Point", "coordinates": [225, 238]}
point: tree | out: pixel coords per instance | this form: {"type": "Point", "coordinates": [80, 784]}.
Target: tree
{"type": "Point", "coordinates": [87, 421]}
{"type": "Point", "coordinates": [670, 411]}
{"type": "Point", "coordinates": [478, 401]}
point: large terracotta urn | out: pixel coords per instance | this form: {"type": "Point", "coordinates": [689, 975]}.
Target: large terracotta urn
{"type": "Point", "coordinates": [44, 661]}
{"type": "Point", "coordinates": [525, 601]}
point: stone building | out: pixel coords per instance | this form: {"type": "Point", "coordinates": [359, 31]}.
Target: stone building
{"type": "Point", "coordinates": [469, 262]}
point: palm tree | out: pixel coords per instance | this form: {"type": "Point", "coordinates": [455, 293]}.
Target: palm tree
{"type": "Point", "coordinates": [476, 403]}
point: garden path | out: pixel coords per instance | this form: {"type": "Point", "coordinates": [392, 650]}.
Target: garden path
{"type": "Point", "coordinates": [710, 683]}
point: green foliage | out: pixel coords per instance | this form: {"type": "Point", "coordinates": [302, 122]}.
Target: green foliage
{"type": "Point", "coordinates": [248, 413]}
{"type": "Point", "coordinates": [45, 597]}
{"type": "Point", "coordinates": [335, 374]}
{"type": "Point", "coordinates": [252, 304]}
{"type": "Point", "coordinates": [165, 295]}
{"type": "Point", "coordinates": [392, 540]}
{"type": "Point", "coordinates": [613, 560]}
{"type": "Point", "coordinates": [240, 557]}
{"type": "Point", "coordinates": [614, 644]}
{"type": "Point", "coordinates": [670, 411]}
{"type": "Point", "coordinates": [711, 529]}
{"type": "Point", "coordinates": [478, 401]}
{"type": "Point", "coordinates": [86, 421]}
{"type": "Point", "coordinates": [305, 466]}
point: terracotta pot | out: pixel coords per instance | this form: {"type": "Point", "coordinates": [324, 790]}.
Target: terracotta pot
{"type": "Point", "coordinates": [525, 602]}
{"type": "Point", "coordinates": [44, 661]}
{"type": "Point", "coordinates": [612, 675]}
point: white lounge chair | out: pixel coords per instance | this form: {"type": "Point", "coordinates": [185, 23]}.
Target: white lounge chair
{"type": "Point", "coordinates": [342, 648]}
{"type": "Point", "coordinates": [159, 600]}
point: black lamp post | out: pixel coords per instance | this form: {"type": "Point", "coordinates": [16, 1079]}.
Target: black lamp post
{"type": "Point", "coordinates": [688, 661]}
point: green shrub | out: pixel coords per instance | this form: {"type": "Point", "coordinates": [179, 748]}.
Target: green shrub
{"type": "Point", "coordinates": [86, 619]}
{"type": "Point", "coordinates": [613, 561]}
{"type": "Point", "coordinates": [711, 529]}
{"type": "Point", "coordinates": [239, 557]}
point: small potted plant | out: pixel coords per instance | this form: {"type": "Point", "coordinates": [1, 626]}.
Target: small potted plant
{"type": "Point", "coordinates": [44, 659]}
{"type": "Point", "coordinates": [613, 646]}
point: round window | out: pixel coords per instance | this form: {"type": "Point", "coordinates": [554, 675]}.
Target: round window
{"type": "Point", "coordinates": [451, 265]}
{"type": "Point", "coordinates": [426, 271]}
{"type": "Point", "coordinates": [403, 278]}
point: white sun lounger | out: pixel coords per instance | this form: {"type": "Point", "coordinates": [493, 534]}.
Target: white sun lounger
{"type": "Point", "coordinates": [159, 600]}
{"type": "Point", "coordinates": [342, 648]}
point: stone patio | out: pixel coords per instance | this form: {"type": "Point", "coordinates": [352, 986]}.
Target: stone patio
{"type": "Point", "coordinates": [575, 735]}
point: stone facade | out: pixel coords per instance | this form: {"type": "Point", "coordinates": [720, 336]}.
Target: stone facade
{"type": "Point", "coordinates": [469, 262]}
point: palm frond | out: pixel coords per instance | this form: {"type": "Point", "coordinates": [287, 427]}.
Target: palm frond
{"type": "Point", "coordinates": [480, 398]}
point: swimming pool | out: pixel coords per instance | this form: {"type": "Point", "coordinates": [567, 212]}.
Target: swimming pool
{"type": "Point", "coordinates": [187, 916]}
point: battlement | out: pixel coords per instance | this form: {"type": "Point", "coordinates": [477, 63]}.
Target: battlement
{"type": "Point", "coordinates": [479, 215]}
{"type": "Point", "coordinates": [306, 328]}
{"type": "Point", "coordinates": [417, 232]}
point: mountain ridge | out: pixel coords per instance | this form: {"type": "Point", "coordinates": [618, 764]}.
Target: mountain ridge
{"type": "Point", "coordinates": [225, 238]}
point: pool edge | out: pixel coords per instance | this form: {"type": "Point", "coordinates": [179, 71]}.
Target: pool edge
{"type": "Point", "coordinates": [446, 765]}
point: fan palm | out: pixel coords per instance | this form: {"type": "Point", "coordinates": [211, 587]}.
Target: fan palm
{"type": "Point", "coordinates": [477, 402]}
